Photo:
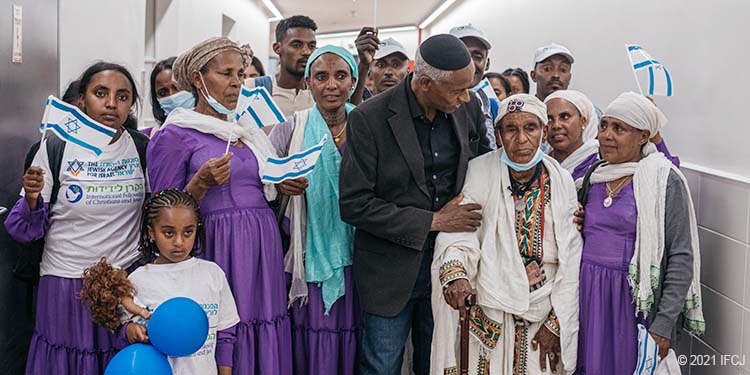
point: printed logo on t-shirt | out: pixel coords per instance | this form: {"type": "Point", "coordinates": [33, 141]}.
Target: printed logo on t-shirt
{"type": "Point", "coordinates": [212, 310]}
{"type": "Point", "coordinates": [74, 193]}
{"type": "Point", "coordinates": [112, 169]}
{"type": "Point", "coordinates": [75, 167]}
{"type": "Point", "coordinates": [105, 182]}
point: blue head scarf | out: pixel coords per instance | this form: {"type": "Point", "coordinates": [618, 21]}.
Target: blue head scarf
{"type": "Point", "coordinates": [338, 51]}
{"type": "Point", "coordinates": [328, 248]}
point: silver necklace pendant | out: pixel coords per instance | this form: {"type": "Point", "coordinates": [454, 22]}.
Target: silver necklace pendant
{"type": "Point", "coordinates": [520, 204]}
{"type": "Point", "coordinates": [607, 201]}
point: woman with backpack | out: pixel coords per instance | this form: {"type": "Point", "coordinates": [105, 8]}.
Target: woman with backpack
{"type": "Point", "coordinates": [85, 207]}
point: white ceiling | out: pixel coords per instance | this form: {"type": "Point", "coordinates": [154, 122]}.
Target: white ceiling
{"type": "Point", "coordinates": [345, 15]}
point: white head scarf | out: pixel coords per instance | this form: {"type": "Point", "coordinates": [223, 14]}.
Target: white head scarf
{"type": "Point", "coordinates": [522, 103]}
{"type": "Point", "coordinates": [639, 112]}
{"type": "Point", "coordinates": [584, 106]}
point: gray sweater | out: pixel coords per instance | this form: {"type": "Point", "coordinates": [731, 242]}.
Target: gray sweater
{"type": "Point", "coordinates": [677, 263]}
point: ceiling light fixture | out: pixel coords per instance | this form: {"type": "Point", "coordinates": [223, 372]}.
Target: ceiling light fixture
{"type": "Point", "coordinates": [274, 10]}
{"type": "Point", "coordinates": [436, 13]}
{"type": "Point", "coordinates": [356, 32]}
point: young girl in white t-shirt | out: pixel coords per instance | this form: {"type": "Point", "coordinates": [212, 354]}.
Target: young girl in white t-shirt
{"type": "Point", "coordinates": [171, 225]}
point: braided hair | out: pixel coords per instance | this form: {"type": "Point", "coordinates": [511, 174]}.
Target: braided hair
{"type": "Point", "coordinates": [168, 198]}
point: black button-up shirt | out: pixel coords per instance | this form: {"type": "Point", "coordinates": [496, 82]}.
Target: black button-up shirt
{"type": "Point", "coordinates": [440, 150]}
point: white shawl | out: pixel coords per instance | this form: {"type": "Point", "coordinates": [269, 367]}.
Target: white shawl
{"type": "Point", "coordinates": [252, 136]}
{"type": "Point", "coordinates": [296, 212]}
{"type": "Point", "coordinates": [578, 156]}
{"type": "Point", "coordinates": [494, 266]}
{"type": "Point", "coordinates": [650, 177]}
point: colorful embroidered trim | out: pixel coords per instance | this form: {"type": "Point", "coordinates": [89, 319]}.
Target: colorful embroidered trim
{"type": "Point", "coordinates": [521, 349]}
{"type": "Point", "coordinates": [484, 329]}
{"type": "Point", "coordinates": [483, 367]}
{"type": "Point", "coordinates": [451, 270]}
{"type": "Point", "coordinates": [530, 226]}
{"type": "Point", "coordinates": [552, 324]}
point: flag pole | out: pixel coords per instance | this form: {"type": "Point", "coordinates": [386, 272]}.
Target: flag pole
{"type": "Point", "coordinates": [44, 117]}
{"type": "Point", "coordinates": [637, 82]}
{"type": "Point", "coordinates": [231, 131]}
{"type": "Point", "coordinates": [375, 14]}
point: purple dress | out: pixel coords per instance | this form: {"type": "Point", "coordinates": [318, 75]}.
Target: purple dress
{"type": "Point", "coordinates": [242, 237]}
{"type": "Point", "coordinates": [323, 344]}
{"type": "Point", "coordinates": [327, 344]}
{"type": "Point", "coordinates": [65, 338]}
{"type": "Point", "coordinates": [608, 336]}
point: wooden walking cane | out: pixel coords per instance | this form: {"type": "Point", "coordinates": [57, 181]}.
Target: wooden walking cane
{"type": "Point", "coordinates": [463, 363]}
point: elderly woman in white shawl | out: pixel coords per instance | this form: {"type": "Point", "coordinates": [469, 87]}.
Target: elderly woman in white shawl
{"type": "Point", "coordinates": [523, 261]}
{"type": "Point", "coordinates": [640, 265]}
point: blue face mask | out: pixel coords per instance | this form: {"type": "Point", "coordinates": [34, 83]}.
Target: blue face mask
{"type": "Point", "coordinates": [181, 99]}
{"type": "Point", "coordinates": [218, 107]}
{"type": "Point", "coordinates": [522, 167]}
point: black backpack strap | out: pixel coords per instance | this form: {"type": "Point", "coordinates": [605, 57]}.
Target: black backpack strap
{"type": "Point", "coordinates": [30, 156]}
{"type": "Point", "coordinates": [583, 192]}
{"type": "Point", "coordinates": [141, 143]}
{"type": "Point", "coordinates": [55, 150]}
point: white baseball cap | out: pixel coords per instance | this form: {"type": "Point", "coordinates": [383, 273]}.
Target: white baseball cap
{"type": "Point", "coordinates": [388, 47]}
{"type": "Point", "coordinates": [543, 53]}
{"type": "Point", "coordinates": [469, 31]}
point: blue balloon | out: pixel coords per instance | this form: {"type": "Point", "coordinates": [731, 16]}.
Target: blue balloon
{"type": "Point", "coordinates": [178, 327]}
{"type": "Point", "coordinates": [138, 359]}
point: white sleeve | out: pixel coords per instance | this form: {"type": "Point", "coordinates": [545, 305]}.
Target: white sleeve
{"type": "Point", "coordinates": [227, 308]}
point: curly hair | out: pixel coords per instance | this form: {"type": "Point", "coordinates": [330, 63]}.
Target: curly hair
{"type": "Point", "coordinates": [168, 198]}
{"type": "Point", "coordinates": [103, 288]}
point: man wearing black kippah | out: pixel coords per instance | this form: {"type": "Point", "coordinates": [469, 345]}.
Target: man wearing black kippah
{"type": "Point", "coordinates": [405, 162]}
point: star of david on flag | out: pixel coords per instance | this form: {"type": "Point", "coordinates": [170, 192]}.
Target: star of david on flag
{"type": "Point", "coordinates": [293, 166]}
{"type": "Point", "coordinates": [72, 125]}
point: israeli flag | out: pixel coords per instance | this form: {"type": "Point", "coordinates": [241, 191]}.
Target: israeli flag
{"type": "Point", "coordinates": [73, 126]}
{"type": "Point", "coordinates": [659, 80]}
{"type": "Point", "coordinates": [259, 105]}
{"type": "Point", "coordinates": [648, 353]}
{"type": "Point", "coordinates": [293, 166]}
{"type": "Point", "coordinates": [486, 88]}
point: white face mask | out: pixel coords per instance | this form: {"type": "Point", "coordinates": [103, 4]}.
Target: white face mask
{"type": "Point", "coordinates": [526, 166]}
{"type": "Point", "coordinates": [181, 99]}
{"type": "Point", "coordinates": [218, 107]}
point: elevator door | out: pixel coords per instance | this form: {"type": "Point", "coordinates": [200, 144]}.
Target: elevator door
{"type": "Point", "coordinates": [24, 89]}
